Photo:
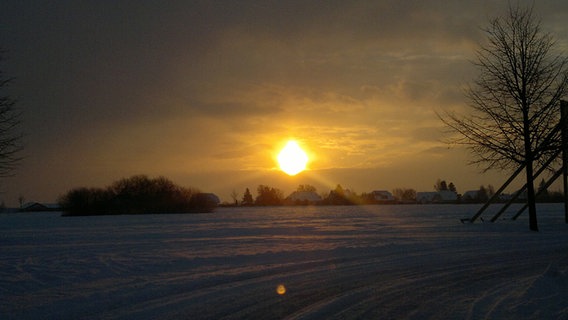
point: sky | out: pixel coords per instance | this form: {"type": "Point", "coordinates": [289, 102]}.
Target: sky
{"type": "Point", "coordinates": [205, 93]}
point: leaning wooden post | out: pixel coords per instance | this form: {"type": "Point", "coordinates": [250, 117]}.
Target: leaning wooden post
{"type": "Point", "coordinates": [518, 193]}
{"type": "Point", "coordinates": [546, 185]}
{"type": "Point", "coordinates": [564, 121]}
{"type": "Point", "coordinates": [496, 195]}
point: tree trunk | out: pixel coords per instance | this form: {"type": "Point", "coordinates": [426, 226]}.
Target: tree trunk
{"type": "Point", "coordinates": [531, 198]}
{"type": "Point", "coordinates": [529, 158]}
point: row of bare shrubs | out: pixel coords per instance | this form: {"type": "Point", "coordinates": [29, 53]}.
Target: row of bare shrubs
{"type": "Point", "coordinates": [135, 195]}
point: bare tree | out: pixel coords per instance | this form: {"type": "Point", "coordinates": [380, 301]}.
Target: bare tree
{"type": "Point", "coordinates": [514, 101]}
{"type": "Point", "coordinates": [10, 138]}
{"type": "Point", "coordinates": [235, 196]}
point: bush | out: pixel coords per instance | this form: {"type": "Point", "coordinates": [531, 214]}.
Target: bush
{"type": "Point", "coordinates": [268, 196]}
{"type": "Point", "coordinates": [134, 195]}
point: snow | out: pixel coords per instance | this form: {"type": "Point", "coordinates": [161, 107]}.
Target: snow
{"type": "Point", "coordinates": [345, 262]}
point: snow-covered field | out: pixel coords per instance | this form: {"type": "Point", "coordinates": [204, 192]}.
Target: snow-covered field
{"type": "Point", "coordinates": [369, 262]}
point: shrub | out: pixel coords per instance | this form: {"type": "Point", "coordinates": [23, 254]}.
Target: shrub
{"type": "Point", "coordinates": [134, 195]}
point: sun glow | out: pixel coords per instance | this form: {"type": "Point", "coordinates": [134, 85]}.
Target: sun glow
{"type": "Point", "coordinates": [292, 159]}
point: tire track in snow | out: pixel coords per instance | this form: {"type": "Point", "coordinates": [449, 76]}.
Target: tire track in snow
{"type": "Point", "coordinates": [227, 292]}
{"type": "Point", "coordinates": [335, 288]}
{"type": "Point", "coordinates": [439, 292]}
{"type": "Point", "coordinates": [341, 266]}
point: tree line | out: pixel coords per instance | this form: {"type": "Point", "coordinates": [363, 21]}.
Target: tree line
{"type": "Point", "coordinates": [135, 195]}
{"type": "Point", "coordinates": [270, 196]}
{"type": "Point", "coordinates": [140, 194]}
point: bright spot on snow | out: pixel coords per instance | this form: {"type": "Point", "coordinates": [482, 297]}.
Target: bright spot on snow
{"type": "Point", "coordinates": [281, 289]}
{"type": "Point", "coordinates": [292, 159]}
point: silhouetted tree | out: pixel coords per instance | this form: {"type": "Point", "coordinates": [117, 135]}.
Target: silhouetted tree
{"type": "Point", "coordinates": [544, 195]}
{"type": "Point", "coordinates": [339, 190]}
{"type": "Point", "coordinates": [88, 201]}
{"type": "Point", "coordinates": [10, 138]}
{"type": "Point", "coordinates": [268, 196]}
{"type": "Point", "coordinates": [404, 194]}
{"type": "Point", "coordinates": [339, 196]}
{"type": "Point", "coordinates": [21, 201]}
{"type": "Point", "coordinates": [490, 190]}
{"type": "Point", "coordinates": [514, 101]}
{"type": "Point", "coordinates": [441, 185]}
{"type": "Point", "coordinates": [367, 198]}
{"type": "Point", "coordinates": [452, 187]}
{"type": "Point", "coordinates": [247, 198]}
{"type": "Point", "coordinates": [482, 194]}
{"type": "Point", "coordinates": [235, 196]}
{"type": "Point", "coordinates": [137, 194]}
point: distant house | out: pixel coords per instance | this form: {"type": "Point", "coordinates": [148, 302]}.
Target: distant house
{"type": "Point", "coordinates": [383, 196]}
{"type": "Point", "coordinates": [303, 197]}
{"type": "Point", "coordinates": [442, 196]}
{"type": "Point", "coordinates": [504, 197]}
{"type": "Point", "coordinates": [470, 196]}
{"type": "Point", "coordinates": [448, 196]}
{"type": "Point", "coordinates": [477, 196]}
{"type": "Point", "coordinates": [520, 195]}
{"type": "Point", "coordinates": [213, 198]}
{"type": "Point", "coordinates": [204, 202]}
{"type": "Point", "coordinates": [39, 207]}
{"type": "Point", "coordinates": [426, 197]}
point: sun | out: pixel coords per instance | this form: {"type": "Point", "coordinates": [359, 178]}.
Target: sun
{"type": "Point", "coordinates": [292, 159]}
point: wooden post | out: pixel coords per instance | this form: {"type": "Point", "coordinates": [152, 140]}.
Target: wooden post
{"type": "Point", "coordinates": [550, 136]}
{"type": "Point", "coordinates": [496, 195]}
{"type": "Point", "coordinates": [546, 185]}
{"type": "Point", "coordinates": [564, 121]}
{"type": "Point", "coordinates": [544, 167]}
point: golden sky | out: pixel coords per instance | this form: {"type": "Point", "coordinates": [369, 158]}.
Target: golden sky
{"type": "Point", "coordinates": [207, 92]}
